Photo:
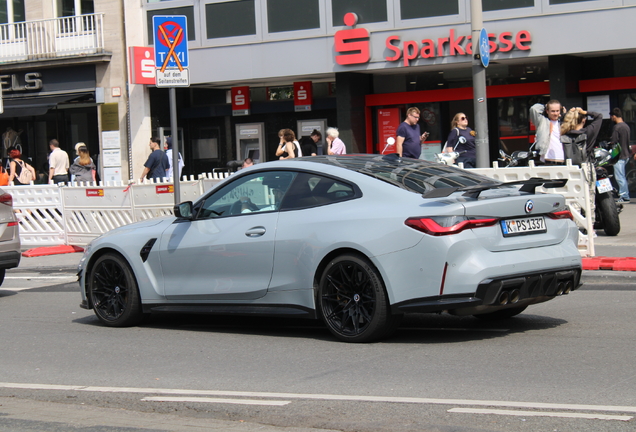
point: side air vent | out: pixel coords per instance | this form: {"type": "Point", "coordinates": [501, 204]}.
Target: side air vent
{"type": "Point", "coordinates": [146, 249]}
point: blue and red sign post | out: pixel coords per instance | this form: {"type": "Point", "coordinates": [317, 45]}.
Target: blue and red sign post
{"type": "Point", "coordinates": [170, 36]}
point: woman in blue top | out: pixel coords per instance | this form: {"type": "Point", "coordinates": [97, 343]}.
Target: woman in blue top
{"type": "Point", "coordinates": [462, 139]}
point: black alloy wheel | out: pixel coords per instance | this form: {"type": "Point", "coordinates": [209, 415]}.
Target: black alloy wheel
{"type": "Point", "coordinates": [353, 302]}
{"type": "Point", "coordinates": [113, 291]}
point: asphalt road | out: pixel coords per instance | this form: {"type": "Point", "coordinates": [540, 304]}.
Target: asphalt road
{"type": "Point", "coordinates": [565, 365]}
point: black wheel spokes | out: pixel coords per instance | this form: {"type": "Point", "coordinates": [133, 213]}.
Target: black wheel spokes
{"type": "Point", "coordinates": [110, 290]}
{"type": "Point", "coordinates": [349, 300]}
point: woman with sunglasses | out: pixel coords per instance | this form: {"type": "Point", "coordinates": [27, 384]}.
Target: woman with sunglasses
{"type": "Point", "coordinates": [462, 139]}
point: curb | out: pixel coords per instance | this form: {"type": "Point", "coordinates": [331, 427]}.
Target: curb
{"type": "Point", "coordinates": [608, 279]}
{"type": "Point", "coordinates": [610, 263]}
{"type": "Point", "coordinates": [51, 250]}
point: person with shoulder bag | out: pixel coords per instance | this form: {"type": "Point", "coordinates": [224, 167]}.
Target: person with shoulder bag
{"type": "Point", "coordinates": [21, 173]}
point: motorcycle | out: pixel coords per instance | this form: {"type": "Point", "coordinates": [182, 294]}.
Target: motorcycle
{"type": "Point", "coordinates": [605, 156]}
{"type": "Point", "coordinates": [517, 158]}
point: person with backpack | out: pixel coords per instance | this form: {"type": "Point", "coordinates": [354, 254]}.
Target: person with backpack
{"type": "Point", "coordinates": [21, 173]}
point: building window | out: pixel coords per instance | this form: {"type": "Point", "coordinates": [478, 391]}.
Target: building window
{"type": "Point", "coordinates": [411, 9]}
{"type": "Point", "coordinates": [493, 5]}
{"type": "Point", "coordinates": [289, 15]}
{"type": "Point", "coordinates": [368, 11]}
{"type": "Point", "coordinates": [11, 11]}
{"type": "Point", "coordinates": [67, 8]}
{"type": "Point", "coordinates": [234, 18]}
{"type": "Point", "coordinates": [188, 11]}
{"type": "Point", "coordinates": [280, 93]}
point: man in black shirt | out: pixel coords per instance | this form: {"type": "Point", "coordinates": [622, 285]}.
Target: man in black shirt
{"type": "Point", "coordinates": [620, 134]}
{"type": "Point", "coordinates": [309, 144]}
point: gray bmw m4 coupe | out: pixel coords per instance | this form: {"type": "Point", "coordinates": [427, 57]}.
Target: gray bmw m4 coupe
{"type": "Point", "coordinates": [356, 241]}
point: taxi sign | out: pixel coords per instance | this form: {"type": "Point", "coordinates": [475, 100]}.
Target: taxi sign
{"type": "Point", "coordinates": [170, 36]}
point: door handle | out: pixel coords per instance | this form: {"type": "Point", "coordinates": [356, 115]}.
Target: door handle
{"type": "Point", "coordinates": [255, 232]}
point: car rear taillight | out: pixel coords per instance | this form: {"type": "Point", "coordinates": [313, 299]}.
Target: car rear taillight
{"type": "Point", "coordinates": [564, 214]}
{"type": "Point", "coordinates": [6, 199]}
{"type": "Point", "coordinates": [439, 226]}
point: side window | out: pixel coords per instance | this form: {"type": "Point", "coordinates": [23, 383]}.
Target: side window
{"type": "Point", "coordinates": [254, 193]}
{"type": "Point", "coordinates": [310, 190]}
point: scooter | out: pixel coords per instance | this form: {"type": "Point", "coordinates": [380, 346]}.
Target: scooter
{"type": "Point", "coordinates": [448, 158]}
{"type": "Point", "coordinates": [607, 210]}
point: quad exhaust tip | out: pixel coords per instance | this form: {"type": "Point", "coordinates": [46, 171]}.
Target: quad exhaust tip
{"type": "Point", "coordinates": [514, 296]}
{"type": "Point", "coordinates": [564, 287]}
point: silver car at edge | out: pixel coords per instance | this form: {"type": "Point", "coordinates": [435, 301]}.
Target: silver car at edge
{"type": "Point", "coordinates": [10, 252]}
{"type": "Point", "coordinates": [356, 241]}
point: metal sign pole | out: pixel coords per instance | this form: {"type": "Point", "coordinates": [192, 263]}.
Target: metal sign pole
{"type": "Point", "coordinates": [175, 145]}
{"type": "Point", "coordinates": [480, 53]}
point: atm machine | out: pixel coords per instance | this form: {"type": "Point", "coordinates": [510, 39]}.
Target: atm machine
{"type": "Point", "coordinates": [250, 141]}
{"type": "Point", "coordinates": [305, 127]}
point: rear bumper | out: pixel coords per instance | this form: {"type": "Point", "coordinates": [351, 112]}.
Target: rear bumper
{"type": "Point", "coordinates": [499, 293]}
{"type": "Point", "coordinates": [9, 259]}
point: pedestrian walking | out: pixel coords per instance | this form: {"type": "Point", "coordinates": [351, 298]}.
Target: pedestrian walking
{"type": "Point", "coordinates": [20, 172]}
{"type": "Point", "coordinates": [156, 166]}
{"type": "Point", "coordinates": [620, 134]}
{"type": "Point", "coordinates": [83, 168]}
{"type": "Point", "coordinates": [58, 163]}
{"type": "Point", "coordinates": [335, 146]}
{"type": "Point", "coordinates": [462, 139]}
{"type": "Point", "coordinates": [409, 140]}
{"type": "Point", "coordinates": [169, 154]}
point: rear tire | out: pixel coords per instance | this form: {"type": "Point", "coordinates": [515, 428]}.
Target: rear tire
{"type": "Point", "coordinates": [2, 273]}
{"type": "Point", "coordinates": [113, 292]}
{"type": "Point", "coordinates": [609, 214]}
{"type": "Point", "coordinates": [501, 314]}
{"type": "Point", "coordinates": [353, 301]}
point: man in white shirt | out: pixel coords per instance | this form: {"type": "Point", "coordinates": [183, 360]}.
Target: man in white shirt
{"type": "Point", "coordinates": [58, 163]}
{"type": "Point", "coordinates": [170, 172]}
{"type": "Point", "coordinates": [546, 119]}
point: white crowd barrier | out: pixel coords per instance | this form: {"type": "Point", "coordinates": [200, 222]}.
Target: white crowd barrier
{"type": "Point", "coordinates": [75, 214]}
{"type": "Point", "coordinates": [576, 192]}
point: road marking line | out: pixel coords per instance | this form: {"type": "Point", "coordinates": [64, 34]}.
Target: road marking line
{"type": "Point", "coordinates": [331, 397]}
{"type": "Point", "coordinates": [216, 400]}
{"type": "Point", "coordinates": [540, 414]}
{"type": "Point", "coordinates": [72, 277]}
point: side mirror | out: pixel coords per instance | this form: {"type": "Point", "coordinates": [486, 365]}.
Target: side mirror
{"type": "Point", "coordinates": [184, 210]}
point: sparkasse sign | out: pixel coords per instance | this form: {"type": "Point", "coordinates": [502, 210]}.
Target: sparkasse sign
{"type": "Point", "coordinates": [353, 46]}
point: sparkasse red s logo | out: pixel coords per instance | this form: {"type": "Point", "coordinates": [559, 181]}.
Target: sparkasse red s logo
{"type": "Point", "coordinates": [352, 44]}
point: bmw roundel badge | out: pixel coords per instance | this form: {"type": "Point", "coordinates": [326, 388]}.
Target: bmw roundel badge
{"type": "Point", "coordinates": [529, 206]}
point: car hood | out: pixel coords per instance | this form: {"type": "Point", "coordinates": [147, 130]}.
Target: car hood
{"type": "Point", "coordinates": [136, 226]}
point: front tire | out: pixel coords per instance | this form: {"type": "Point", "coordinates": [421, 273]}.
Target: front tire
{"type": "Point", "coordinates": [353, 301]}
{"type": "Point", "coordinates": [113, 292]}
{"type": "Point", "coordinates": [608, 213]}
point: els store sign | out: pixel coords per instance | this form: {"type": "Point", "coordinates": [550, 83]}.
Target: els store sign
{"type": "Point", "coordinates": [353, 46]}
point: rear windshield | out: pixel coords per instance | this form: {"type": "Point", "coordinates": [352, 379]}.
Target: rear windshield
{"type": "Point", "coordinates": [415, 175]}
